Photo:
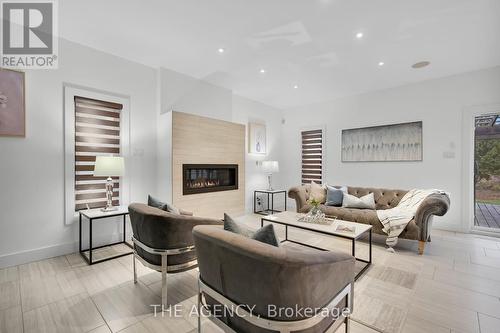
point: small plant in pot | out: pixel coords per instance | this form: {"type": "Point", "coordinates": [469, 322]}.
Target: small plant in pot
{"type": "Point", "coordinates": [315, 206]}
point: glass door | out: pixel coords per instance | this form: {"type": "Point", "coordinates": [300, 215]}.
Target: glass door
{"type": "Point", "coordinates": [487, 172]}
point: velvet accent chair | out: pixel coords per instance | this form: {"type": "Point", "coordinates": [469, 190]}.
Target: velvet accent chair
{"type": "Point", "coordinates": [260, 279]}
{"type": "Point", "coordinates": [163, 241]}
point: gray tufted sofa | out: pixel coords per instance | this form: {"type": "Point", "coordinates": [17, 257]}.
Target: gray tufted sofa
{"type": "Point", "coordinates": [418, 229]}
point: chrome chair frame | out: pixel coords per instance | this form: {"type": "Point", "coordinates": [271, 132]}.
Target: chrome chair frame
{"type": "Point", "coordinates": [273, 325]}
{"type": "Point", "coordinates": [164, 268]}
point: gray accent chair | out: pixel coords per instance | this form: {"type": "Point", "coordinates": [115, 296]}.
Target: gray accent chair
{"type": "Point", "coordinates": [163, 241]}
{"type": "Point", "coordinates": [239, 272]}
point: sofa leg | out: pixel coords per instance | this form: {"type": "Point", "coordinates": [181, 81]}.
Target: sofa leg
{"type": "Point", "coordinates": [421, 247]}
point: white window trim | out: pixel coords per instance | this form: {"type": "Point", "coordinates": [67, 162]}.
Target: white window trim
{"type": "Point", "coordinates": [70, 91]}
{"type": "Point", "coordinates": [323, 146]}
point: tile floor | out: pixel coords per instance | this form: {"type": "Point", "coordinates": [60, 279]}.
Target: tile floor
{"type": "Point", "coordinates": [454, 287]}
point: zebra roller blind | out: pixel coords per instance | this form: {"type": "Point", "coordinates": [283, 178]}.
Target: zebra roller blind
{"type": "Point", "coordinates": [312, 156]}
{"type": "Point", "coordinates": [97, 132]}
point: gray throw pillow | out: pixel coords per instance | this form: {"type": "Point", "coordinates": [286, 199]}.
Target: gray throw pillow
{"type": "Point", "coordinates": [365, 202]}
{"type": "Point", "coordinates": [265, 234]}
{"type": "Point", "coordinates": [334, 196]}
{"type": "Point", "coordinates": [153, 202]}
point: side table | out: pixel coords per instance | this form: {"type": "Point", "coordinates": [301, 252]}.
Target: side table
{"type": "Point", "coordinates": [96, 214]}
{"type": "Point", "coordinates": [270, 195]}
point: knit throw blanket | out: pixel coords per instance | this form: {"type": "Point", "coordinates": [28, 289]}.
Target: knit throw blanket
{"type": "Point", "coordinates": [395, 220]}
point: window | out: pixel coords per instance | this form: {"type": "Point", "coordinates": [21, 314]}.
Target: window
{"type": "Point", "coordinates": [312, 156]}
{"type": "Point", "coordinates": [97, 132]}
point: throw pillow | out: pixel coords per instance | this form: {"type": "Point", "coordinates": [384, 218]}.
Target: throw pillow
{"type": "Point", "coordinates": [265, 234]}
{"type": "Point", "coordinates": [334, 196]}
{"type": "Point", "coordinates": [351, 201]}
{"type": "Point", "coordinates": [317, 192]}
{"type": "Point", "coordinates": [153, 202]}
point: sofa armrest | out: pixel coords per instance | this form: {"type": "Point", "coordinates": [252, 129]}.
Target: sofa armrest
{"type": "Point", "coordinates": [435, 204]}
{"type": "Point", "coordinates": [300, 195]}
{"type": "Point", "coordinates": [185, 212]}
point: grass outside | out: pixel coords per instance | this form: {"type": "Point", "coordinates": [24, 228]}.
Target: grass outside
{"type": "Point", "coordinates": [489, 201]}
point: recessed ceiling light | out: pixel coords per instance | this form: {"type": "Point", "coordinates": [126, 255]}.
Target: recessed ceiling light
{"type": "Point", "coordinates": [221, 50]}
{"type": "Point", "coordinates": [359, 35]}
{"type": "Point", "coordinates": [295, 87]}
{"type": "Point", "coordinates": [262, 71]}
{"type": "Point", "coordinates": [421, 64]}
{"type": "Point", "coordinates": [381, 63]}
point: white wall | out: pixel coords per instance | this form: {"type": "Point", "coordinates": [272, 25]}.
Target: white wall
{"type": "Point", "coordinates": [245, 111]}
{"type": "Point", "coordinates": [31, 168]}
{"type": "Point", "coordinates": [182, 93]}
{"type": "Point", "coordinates": [438, 103]}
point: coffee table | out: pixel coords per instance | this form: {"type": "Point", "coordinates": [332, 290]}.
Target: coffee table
{"type": "Point", "coordinates": [291, 220]}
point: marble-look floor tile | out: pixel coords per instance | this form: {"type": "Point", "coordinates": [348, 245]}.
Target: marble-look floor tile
{"type": "Point", "coordinates": [136, 328]}
{"type": "Point", "coordinates": [36, 291]}
{"type": "Point", "coordinates": [101, 329]}
{"type": "Point", "coordinates": [167, 323]}
{"type": "Point", "coordinates": [447, 316]}
{"type": "Point", "coordinates": [9, 294]}
{"type": "Point", "coordinates": [44, 268]}
{"type": "Point", "coordinates": [103, 276]}
{"type": "Point", "coordinates": [9, 274]}
{"type": "Point", "coordinates": [144, 274]}
{"type": "Point", "coordinates": [378, 313]}
{"type": "Point", "coordinates": [487, 272]}
{"type": "Point", "coordinates": [415, 324]}
{"type": "Point", "coordinates": [76, 314]}
{"type": "Point", "coordinates": [11, 320]}
{"type": "Point", "coordinates": [76, 260]}
{"type": "Point", "coordinates": [446, 294]}
{"type": "Point", "coordinates": [492, 253]}
{"type": "Point", "coordinates": [126, 305]}
{"type": "Point", "coordinates": [489, 324]}
{"type": "Point", "coordinates": [468, 281]}
{"type": "Point", "coordinates": [485, 261]}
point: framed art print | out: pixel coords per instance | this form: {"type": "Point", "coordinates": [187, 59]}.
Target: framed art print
{"type": "Point", "coordinates": [256, 138]}
{"type": "Point", "coordinates": [12, 108]}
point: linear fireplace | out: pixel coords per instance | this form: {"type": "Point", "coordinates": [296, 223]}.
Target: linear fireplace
{"type": "Point", "coordinates": [202, 178]}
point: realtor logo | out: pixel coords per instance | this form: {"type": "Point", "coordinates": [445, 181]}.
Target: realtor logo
{"type": "Point", "coordinates": [29, 36]}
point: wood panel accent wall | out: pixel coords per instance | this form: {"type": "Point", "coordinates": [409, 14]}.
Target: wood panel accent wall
{"type": "Point", "coordinates": [201, 140]}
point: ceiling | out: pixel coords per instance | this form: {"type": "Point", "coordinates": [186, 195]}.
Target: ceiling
{"type": "Point", "coordinates": [308, 43]}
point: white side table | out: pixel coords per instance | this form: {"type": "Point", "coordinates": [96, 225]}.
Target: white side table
{"type": "Point", "coordinates": [96, 214]}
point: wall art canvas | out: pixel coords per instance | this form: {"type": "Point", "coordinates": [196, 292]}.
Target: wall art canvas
{"type": "Point", "coordinates": [12, 115]}
{"type": "Point", "coordinates": [256, 138]}
{"type": "Point", "coordinates": [399, 142]}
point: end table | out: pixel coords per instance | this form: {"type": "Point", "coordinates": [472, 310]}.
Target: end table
{"type": "Point", "coordinates": [96, 214]}
{"type": "Point", "coordinates": [270, 195]}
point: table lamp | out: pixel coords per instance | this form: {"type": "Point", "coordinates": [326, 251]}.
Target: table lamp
{"type": "Point", "coordinates": [270, 167]}
{"type": "Point", "coordinates": [109, 166]}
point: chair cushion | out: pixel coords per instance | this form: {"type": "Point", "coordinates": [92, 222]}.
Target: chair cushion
{"type": "Point", "coordinates": [153, 202]}
{"type": "Point", "coordinates": [265, 234]}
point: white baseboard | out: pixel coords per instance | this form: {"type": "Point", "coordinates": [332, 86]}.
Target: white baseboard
{"type": "Point", "coordinates": [27, 256]}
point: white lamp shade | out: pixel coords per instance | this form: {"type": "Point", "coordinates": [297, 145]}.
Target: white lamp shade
{"type": "Point", "coordinates": [109, 166]}
{"type": "Point", "coordinates": [270, 166]}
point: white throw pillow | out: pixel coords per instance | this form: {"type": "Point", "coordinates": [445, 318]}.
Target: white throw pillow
{"type": "Point", "coordinates": [351, 201]}
{"type": "Point", "coordinates": [317, 192]}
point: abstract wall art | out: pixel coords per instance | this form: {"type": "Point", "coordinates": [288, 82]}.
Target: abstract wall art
{"type": "Point", "coordinates": [12, 114]}
{"type": "Point", "coordinates": [256, 138]}
{"type": "Point", "coordinates": [398, 142]}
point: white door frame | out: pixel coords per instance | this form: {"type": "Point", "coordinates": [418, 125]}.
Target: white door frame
{"type": "Point", "coordinates": [70, 91]}
{"type": "Point", "coordinates": [468, 121]}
